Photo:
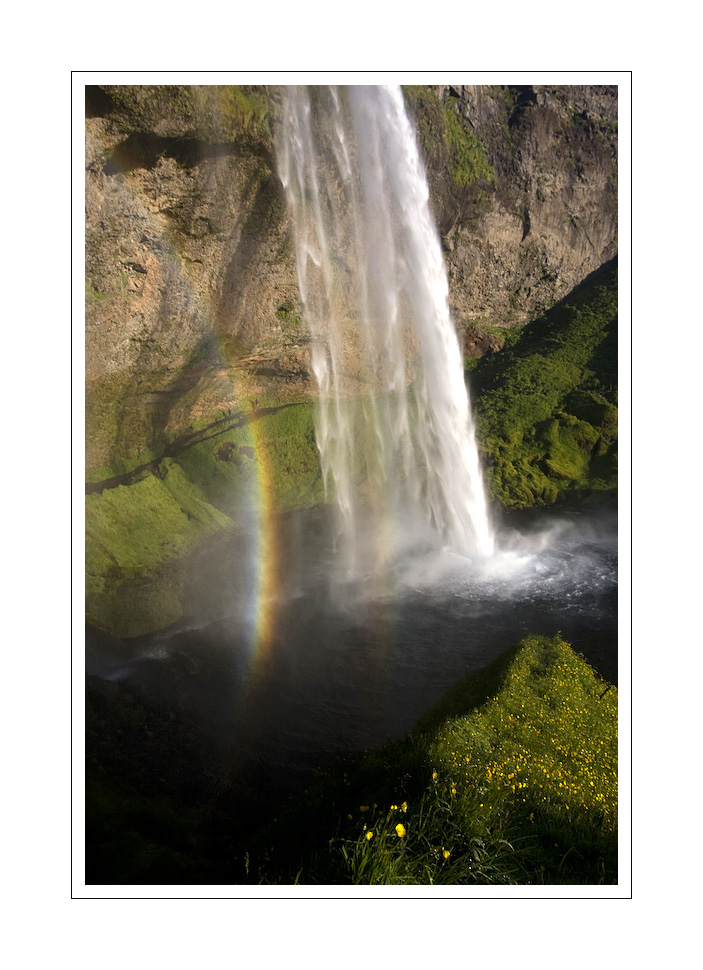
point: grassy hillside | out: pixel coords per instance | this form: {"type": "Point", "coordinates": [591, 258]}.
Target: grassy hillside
{"type": "Point", "coordinates": [512, 779]}
{"type": "Point", "coordinates": [546, 406]}
{"type": "Point", "coordinates": [164, 503]}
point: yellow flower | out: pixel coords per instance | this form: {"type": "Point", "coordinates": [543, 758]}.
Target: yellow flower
{"type": "Point", "coordinates": [393, 806]}
{"type": "Point", "coordinates": [400, 829]}
{"type": "Point", "coordinates": [404, 806]}
{"type": "Point", "coordinates": [434, 776]}
{"type": "Point", "coordinates": [446, 853]}
{"type": "Point", "coordinates": [369, 836]}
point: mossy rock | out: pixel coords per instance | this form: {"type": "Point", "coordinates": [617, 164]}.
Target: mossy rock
{"type": "Point", "coordinates": [210, 113]}
{"type": "Point", "coordinates": [546, 405]}
{"type": "Point", "coordinates": [594, 408]}
{"type": "Point", "coordinates": [139, 532]}
{"type": "Point", "coordinates": [135, 606]}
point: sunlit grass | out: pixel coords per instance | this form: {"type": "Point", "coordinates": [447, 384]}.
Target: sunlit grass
{"type": "Point", "coordinates": [520, 789]}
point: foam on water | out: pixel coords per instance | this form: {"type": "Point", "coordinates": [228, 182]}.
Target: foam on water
{"type": "Point", "coordinates": [561, 560]}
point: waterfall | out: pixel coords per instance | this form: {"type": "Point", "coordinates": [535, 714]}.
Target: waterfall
{"type": "Point", "coordinates": [393, 421]}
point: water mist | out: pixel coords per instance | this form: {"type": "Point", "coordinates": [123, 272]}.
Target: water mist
{"type": "Point", "coordinates": [393, 422]}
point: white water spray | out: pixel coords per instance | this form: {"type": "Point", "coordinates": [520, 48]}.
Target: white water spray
{"type": "Point", "coordinates": [394, 425]}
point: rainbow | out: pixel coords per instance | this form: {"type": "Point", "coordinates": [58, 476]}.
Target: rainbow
{"type": "Point", "coordinates": [267, 558]}
{"type": "Point", "coordinates": [266, 546]}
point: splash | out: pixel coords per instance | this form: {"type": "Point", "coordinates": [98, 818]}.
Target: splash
{"type": "Point", "coordinates": [394, 426]}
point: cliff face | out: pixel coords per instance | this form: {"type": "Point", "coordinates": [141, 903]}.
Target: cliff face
{"type": "Point", "coordinates": [544, 216]}
{"type": "Point", "coordinates": [197, 357]}
{"type": "Point", "coordinates": [188, 260]}
{"type": "Point", "coordinates": [191, 288]}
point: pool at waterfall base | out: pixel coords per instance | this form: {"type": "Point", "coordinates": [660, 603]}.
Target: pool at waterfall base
{"type": "Point", "coordinates": [199, 734]}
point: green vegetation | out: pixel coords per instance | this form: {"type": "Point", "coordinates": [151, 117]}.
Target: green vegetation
{"type": "Point", "coordinates": [137, 530]}
{"type": "Point", "coordinates": [226, 109]}
{"type": "Point", "coordinates": [133, 533]}
{"type": "Point", "coordinates": [93, 295]}
{"type": "Point", "coordinates": [512, 779]}
{"type": "Point", "coordinates": [507, 336]}
{"type": "Point", "coordinates": [214, 113]}
{"type": "Point", "coordinates": [546, 406]}
{"type": "Point", "coordinates": [139, 526]}
{"type": "Point", "coordinates": [546, 409]}
{"type": "Point", "coordinates": [289, 316]}
{"type": "Point", "coordinates": [275, 454]}
{"type": "Point", "coordinates": [441, 132]}
{"type": "Point", "coordinates": [468, 162]}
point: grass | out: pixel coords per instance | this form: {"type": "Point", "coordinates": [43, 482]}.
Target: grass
{"type": "Point", "coordinates": [275, 455]}
{"type": "Point", "coordinates": [133, 533]}
{"type": "Point", "coordinates": [468, 162]}
{"type": "Point", "coordinates": [546, 406]}
{"type": "Point", "coordinates": [136, 531]}
{"type": "Point", "coordinates": [511, 780]}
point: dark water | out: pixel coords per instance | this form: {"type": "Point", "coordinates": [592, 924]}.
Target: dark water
{"type": "Point", "coordinates": [196, 711]}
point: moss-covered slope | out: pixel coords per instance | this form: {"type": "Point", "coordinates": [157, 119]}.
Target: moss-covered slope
{"type": "Point", "coordinates": [141, 524]}
{"type": "Point", "coordinates": [547, 404]}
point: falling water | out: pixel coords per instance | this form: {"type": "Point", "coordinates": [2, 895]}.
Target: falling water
{"type": "Point", "coordinates": [394, 426]}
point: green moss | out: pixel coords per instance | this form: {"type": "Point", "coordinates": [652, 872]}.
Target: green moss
{"type": "Point", "coordinates": [276, 453]}
{"type": "Point", "coordinates": [593, 407]}
{"type": "Point", "coordinates": [289, 316]}
{"type": "Point", "coordinates": [137, 533]}
{"type": "Point", "coordinates": [290, 449]}
{"type": "Point", "coordinates": [507, 335]}
{"type": "Point", "coordinates": [428, 113]}
{"type": "Point", "coordinates": [445, 139]}
{"type": "Point", "coordinates": [93, 295]}
{"type": "Point", "coordinates": [226, 110]}
{"type": "Point", "coordinates": [139, 526]}
{"type": "Point", "coordinates": [132, 533]}
{"type": "Point", "coordinates": [213, 113]}
{"type": "Point", "coordinates": [546, 405]}
{"type": "Point", "coordinates": [468, 162]}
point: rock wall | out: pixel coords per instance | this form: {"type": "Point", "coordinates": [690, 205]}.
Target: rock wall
{"type": "Point", "coordinates": [190, 277]}
{"type": "Point", "coordinates": [521, 240]}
